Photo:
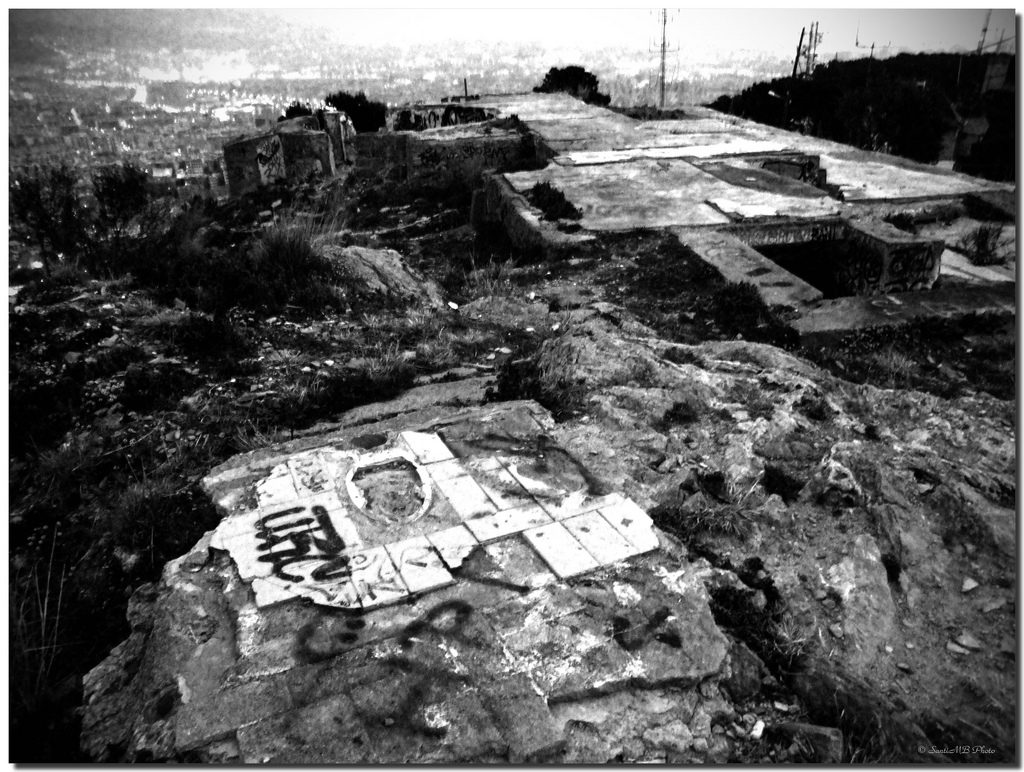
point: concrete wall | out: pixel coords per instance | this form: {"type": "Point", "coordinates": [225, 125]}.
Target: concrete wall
{"type": "Point", "coordinates": [443, 156]}
{"type": "Point", "coordinates": [788, 233]}
{"type": "Point", "coordinates": [885, 260]}
{"type": "Point", "coordinates": [464, 159]}
{"type": "Point", "coordinates": [498, 204]}
{"type": "Point", "coordinates": [382, 152]}
{"type": "Point", "coordinates": [422, 117]}
{"type": "Point", "coordinates": [294, 154]}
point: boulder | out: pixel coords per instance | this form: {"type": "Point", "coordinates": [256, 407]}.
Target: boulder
{"type": "Point", "coordinates": [437, 617]}
{"type": "Point", "coordinates": [381, 277]}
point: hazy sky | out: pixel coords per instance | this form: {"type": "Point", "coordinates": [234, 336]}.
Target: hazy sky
{"type": "Point", "coordinates": [771, 30]}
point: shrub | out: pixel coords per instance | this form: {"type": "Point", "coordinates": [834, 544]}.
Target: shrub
{"type": "Point", "coordinates": [552, 202]}
{"type": "Point", "coordinates": [365, 115]}
{"type": "Point", "coordinates": [46, 205]}
{"type": "Point", "coordinates": [573, 80]}
{"type": "Point", "coordinates": [121, 195]}
{"type": "Point", "coordinates": [296, 109]}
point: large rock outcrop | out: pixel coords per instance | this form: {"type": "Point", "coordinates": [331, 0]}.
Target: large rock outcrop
{"type": "Point", "coordinates": [814, 543]}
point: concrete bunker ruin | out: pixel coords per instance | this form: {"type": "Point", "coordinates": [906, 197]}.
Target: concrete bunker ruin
{"type": "Point", "coordinates": [844, 257]}
{"type": "Point", "coordinates": [293, 150]}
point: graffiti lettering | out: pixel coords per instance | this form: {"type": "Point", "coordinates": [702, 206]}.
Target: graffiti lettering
{"type": "Point", "coordinates": [270, 159]}
{"type": "Point", "coordinates": [302, 537]}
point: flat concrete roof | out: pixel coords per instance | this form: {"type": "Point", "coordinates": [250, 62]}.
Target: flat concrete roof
{"type": "Point", "coordinates": [664, 193]}
{"type": "Point", "coordinates": [624, 173]}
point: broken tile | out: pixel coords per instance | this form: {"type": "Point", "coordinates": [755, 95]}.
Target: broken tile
{"type": "Point", "coordinates": [466, 497]}
{"type": "Point", "coordinates": [633, 523]}
{"type": "Point", "coordinates": [577, 503]}
{"type": "Point", "coordinates": [560, 550]}
{"type": "Point", "coordinates": [276, 490]}
{"type": "Point", "coordinates": [507, 522]}
{"type": "Point", "coordinates": [418, 564]}
{"type": "Point", "coordinates": [309, 474]}
{"type": "Point", "coordinates": [427, 447]}
{"type": "Point", "coordinates": [519, 564]}
{"type": "Point", "coordinates": [453, 544]}
{"type": "Point", "coordinates": [599, 538]}
{"type": "Point", "coordinates": [268, 592]}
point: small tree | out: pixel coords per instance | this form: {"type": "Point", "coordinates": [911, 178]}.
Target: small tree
{"type": "Point", "coordinates": [573, 80]}
{"type": "Point", "coordinates": [46, 204]}
{"type": "Point", "coordinates": [365, 115]}
{"type": "Point", "coordinates": [121, 195]}
{"type": "Point", "coordinates": [296, 110]}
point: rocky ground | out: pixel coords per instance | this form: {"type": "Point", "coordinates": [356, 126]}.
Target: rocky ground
{"type": "Point", "coordinates": [849, 512]}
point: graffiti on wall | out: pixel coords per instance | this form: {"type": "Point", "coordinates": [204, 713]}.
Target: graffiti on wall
{"type": "Point", "coordinates": [270, 159]}
{"type": "Point", "coordinates": [358, 529]}
{"type": "Point", "coordinates": [911, 269]}
{"type": "Point", "coordinates": [422, 118]}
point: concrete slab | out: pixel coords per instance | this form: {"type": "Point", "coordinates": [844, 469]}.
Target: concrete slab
{"type": "Point", "coordinates": [738, 262]}
{"type": "Point", "coordinates": [671, 147]}
{"type": "Point", "coordinates": [662, 194]}
{"type": "Point", "coordinates": [835, 318]}
{"type": "Point", "coordinates": [955, 265]}
{"type": "Point", "coordinates": [366, 529]}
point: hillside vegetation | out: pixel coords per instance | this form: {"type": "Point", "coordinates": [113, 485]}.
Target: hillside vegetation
{"type": "Point", "coordinates": [906, 105]}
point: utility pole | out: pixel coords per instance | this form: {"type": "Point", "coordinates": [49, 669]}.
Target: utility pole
{"type": "Point", "coordinates": [984, 32]}
{"type": "Point", "coordinates": [799, 48]}
{"type": "Point", "coordinates": [807, 52]}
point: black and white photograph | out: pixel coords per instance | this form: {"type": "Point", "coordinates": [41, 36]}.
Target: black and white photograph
{"type": "Point", "coordinates": [484, 384]}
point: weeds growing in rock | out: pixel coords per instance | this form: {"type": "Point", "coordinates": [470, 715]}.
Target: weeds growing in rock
{"type": "Point", "coordinates": [981, 245]}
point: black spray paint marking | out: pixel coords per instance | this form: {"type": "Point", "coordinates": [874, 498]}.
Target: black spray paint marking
{"type": "Point", "coordinates": [632, 637]}
{"type": "Point", "coordinates": [292, 525]}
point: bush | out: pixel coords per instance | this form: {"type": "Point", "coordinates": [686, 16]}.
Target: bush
{"type": "Point", "coordinates": [46, 205]}
{"type": "Point", "coordinates": [573, 80]}
{"type": "Point", "coordinates": [280, 267]}
{"type": "Point", "coordinates": [296, 109]}
{"type": "Point", "coordinates": [121, 195]}
{"type": "Point", "coordinates": [366, 116]}
{"type": "Point", "coordinates": [552, 202]}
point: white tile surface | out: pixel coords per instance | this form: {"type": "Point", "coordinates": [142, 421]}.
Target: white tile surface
{"type": "Point", "coordinates": [466, 497]}
{"type": "Point", "coordinates": [310, 474]}
{"type": "Point", "coordinates": [507, 522]}
{"type": "Point", "coordinates": [276, 490]}
{"type": "Point", "coordinates": [376, 579]}
{"type": "Point", "coordinates": [453, 544]}
{"type": "Point", "coordinates": [577, 503]}
{"type": "Point", "coordinates": [633, 523]}
{"type": "Point", "coordinates": [560, 550]}
{"type": "Point", "coordinates": [418, 564]}
{"type": "Point", "coordinates": [599, 538]}
{"type": "Point", "coordinates": [428, 447]}
{"type": "Point", "coordinates": [501, 487]}
{"type": "Point", "coordinates": [445, 470]}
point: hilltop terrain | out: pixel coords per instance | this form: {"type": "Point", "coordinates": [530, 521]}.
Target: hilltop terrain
{"type": "Point", "coordinates": [853, 600]}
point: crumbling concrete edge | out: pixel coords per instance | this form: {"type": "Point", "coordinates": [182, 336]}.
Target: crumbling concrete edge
{"type": "Point", "coordinates": [498, 203]}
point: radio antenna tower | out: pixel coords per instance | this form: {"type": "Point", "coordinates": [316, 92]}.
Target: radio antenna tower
{"type": "Point", "coordinates": [664, 50]}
